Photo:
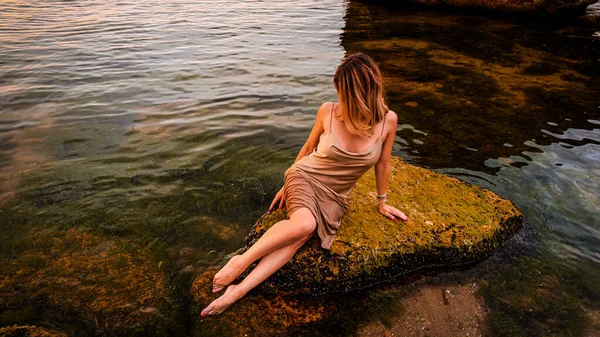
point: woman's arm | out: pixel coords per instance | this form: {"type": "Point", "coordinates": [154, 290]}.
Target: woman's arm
{"type": "Point", "coordinates": [310, 144]}
{"type": "Point", "coordinates": [317, 130]}
{"type": "Point", "coordinates": [382, 168]}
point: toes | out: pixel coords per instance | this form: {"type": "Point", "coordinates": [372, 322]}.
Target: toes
{"type": "Point", "coordinates": [217, 285]}
{"type": "Point", "coordinates": [210, 309]}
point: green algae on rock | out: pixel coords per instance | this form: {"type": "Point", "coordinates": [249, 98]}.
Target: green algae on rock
{"type": "Point", "coordinates": [451, 223]}
{"type": "Point", "coordinates": [285, 311]}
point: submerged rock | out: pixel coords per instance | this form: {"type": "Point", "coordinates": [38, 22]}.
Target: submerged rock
{"type": "Point", "coordinates": [29, 331]}
{"type": "Point", "coordinates": [554, 7]}
{"type": "Point", "coordinates": [111, 286]}
{"type": "Point", "coordinates": [451, 223]}
{"type": "Point", "coordinates": [261, 314]}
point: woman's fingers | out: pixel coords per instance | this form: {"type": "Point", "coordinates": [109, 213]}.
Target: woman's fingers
{"type": "Point", "coordinates": [399, 214]}
{"type": "Point", "coordinates": [393, 213]}
{"type": "Point", "coordinates": [388, 213]}
{"type": "Point", "coordinates": [277, 196]}
{"type": "Point", "coordinates": [385, 212]}
{"type": "Point", "coordinates": [280, 196]}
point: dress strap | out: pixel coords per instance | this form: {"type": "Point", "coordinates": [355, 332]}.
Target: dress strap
{"type": "Point", "coordinates": [331, 118]}
{"type": "Point", "coordinates": [383, 128]}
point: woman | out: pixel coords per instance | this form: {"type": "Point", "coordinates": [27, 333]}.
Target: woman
{"type": "Point", "coordinates": [347, 139]}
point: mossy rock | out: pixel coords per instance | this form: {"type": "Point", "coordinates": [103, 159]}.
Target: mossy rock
{"type": "Point", "coordinates": [283, 312]}
{"type": "Point", "coordinates": [451, 223]}
{"type": "Point", "coordinates": [261, 314]}
{"type": "Point", "coordinates": [29, 331]}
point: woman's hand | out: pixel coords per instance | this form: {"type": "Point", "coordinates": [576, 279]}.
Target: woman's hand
{"type": "Point", "coordinates": [280, 196]}
{"type": "Point", "coordinates": [391, 212]}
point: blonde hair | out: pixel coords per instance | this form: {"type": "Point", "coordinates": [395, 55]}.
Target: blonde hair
{"type": "Point", "coordinates": [360, 88]}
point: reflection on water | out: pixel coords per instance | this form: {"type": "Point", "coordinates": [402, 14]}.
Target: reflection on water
{"type": "Point", "coordinates": [168, 125]}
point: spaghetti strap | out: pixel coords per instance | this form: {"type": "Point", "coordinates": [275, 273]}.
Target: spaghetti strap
{"type": "Point", "coordinates": [331, 118]}
{"type": "Point", "coordinates": [383, 127]}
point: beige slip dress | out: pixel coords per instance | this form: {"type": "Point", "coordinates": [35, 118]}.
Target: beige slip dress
{"type": "Point", "coordinates": [322, 181]}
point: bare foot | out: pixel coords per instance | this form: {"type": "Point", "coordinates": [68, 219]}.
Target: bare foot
{"type": "Point", "coordinates": [227, 274]}
{"type": "Point", "coordinates": [220, 304]}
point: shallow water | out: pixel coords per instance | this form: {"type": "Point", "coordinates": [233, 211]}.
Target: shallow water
{"type": "Point", "coordinates": [169, 125]}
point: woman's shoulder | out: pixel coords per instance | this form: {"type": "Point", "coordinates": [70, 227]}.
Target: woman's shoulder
{"type": "Point", "coordinates": [391, 122]}
{"type": "Point", "coordinates": [325, 110]}
{"type": "Point", "coordinates": [391, 116]}
{"type": "Point", "coordinates": [326, 107]}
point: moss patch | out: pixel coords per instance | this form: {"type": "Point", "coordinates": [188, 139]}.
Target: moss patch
{"type": "Point", "coordinates": [111, 286]}
{"type": "Point", "coordinates": [452, 223]}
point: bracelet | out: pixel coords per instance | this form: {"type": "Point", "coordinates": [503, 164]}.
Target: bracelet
{"type": "Point", "coordinates": [382, 197]}
{"type": "Point", "coordinates": [382, 201]}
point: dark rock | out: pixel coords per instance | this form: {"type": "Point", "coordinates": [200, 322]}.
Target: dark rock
{"type": "Point", "coordinates": [29, 331]}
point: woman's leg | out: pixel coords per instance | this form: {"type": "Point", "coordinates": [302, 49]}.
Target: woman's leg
{"type": "Point", "coordinates": [284, 233]}
{"type": "Point", "coordinates": [268, 265]}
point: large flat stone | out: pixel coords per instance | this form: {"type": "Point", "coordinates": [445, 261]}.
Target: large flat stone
{"type": "Point", "coordinates": [451, 223]}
